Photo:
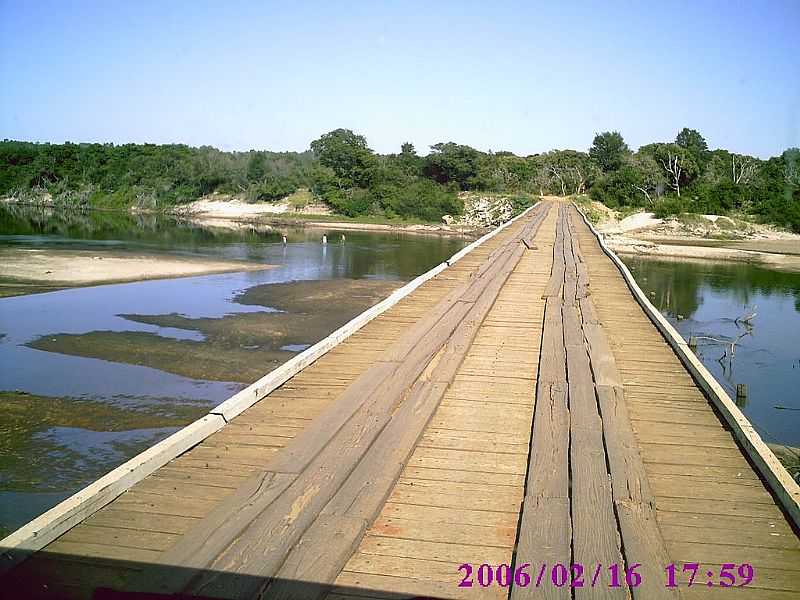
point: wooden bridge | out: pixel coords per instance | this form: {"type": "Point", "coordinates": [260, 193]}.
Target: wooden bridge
{"type": "Point", "coordinates": [523, 404]}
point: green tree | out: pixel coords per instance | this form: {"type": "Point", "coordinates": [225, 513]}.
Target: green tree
{"type": "Point", "coordinates": [452, 163]}
{"type": "Point", "coordinates": [695, 144]}
{"type": "Point", "coordinates": [256, 167]}
{"type": "Point", "coordinates": [408, 159]}
{"type": "Point", "coordinates": [609, 150]}
{"type": "Point", "coordinates": [645, 176]}
{"type": "Point", "coordinates": [347, 154]}
{"type": "Point", "coordinates": [678, 164]}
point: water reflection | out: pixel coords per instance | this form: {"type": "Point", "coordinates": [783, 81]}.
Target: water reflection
{"type": "Point", "coordinates": [708, 300]}
{"type": "Point", "coordinates": [364, 254]}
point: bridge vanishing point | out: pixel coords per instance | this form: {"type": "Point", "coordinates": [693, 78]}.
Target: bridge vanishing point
{"type": "Point", "coordinates": [522, 403]}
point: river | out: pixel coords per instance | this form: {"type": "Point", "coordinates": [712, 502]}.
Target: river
{"type": "Point", "coordinates": [708, 300]}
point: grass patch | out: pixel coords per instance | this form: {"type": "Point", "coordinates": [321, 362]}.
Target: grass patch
{"type": "Point", "coordinates": [726, 224]}
{"type": "Point", "coordinates": [300, 199]}
{"type": "Point", "coordinates": [693, 220]}
{"type": "Point", "coordinates": [594, 215]}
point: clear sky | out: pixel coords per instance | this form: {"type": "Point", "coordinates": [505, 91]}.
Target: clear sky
{"type": "Point", "coordinates": [519, 76]}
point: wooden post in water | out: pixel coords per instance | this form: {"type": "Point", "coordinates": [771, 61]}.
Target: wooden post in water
{"type": "Point", "coordinates": [693, 342]}
{"type": "Point", "coordinates": [741, 392]}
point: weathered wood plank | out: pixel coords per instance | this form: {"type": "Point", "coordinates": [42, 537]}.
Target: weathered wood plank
{"type": "Point", "coordinates": [545, 528]}
{"type": "Point", "coordinates": [595, 537]}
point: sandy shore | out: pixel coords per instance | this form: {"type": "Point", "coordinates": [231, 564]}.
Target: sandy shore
{"type": "Point", "coordinates": [233, 213]}
{"type": "Point", "coordinates": [682, 248]}
{"type": "Point", "coordinates": [33, 270]}
{"type": "Point", "coordinates": [702, 237]}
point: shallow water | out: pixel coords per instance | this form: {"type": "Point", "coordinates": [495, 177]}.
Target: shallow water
{"type": "Point", "coordinates": [705, 299]}
{"type": "Point", "coordinates": [50, 462]}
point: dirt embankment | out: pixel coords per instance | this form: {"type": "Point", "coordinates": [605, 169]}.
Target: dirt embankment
{"type": "Point", "coordinates": [693, 236]}
{"type": "Point", "coordinates": [25, 270]}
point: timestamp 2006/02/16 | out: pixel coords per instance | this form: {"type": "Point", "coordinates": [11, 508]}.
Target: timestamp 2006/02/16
{"type": "Point", "coordinates": [614, 575]}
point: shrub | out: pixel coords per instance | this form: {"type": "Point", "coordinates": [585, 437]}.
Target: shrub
{"type": "Point", "coordinates": [270, 189]}
{"type": "Point", "coordinates": [669, 206]}
{"type": "Point", "coordinates": [424, 200]}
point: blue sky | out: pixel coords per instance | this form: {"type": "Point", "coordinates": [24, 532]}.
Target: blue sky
{"type": "Point", "coordinates": [519, 76]}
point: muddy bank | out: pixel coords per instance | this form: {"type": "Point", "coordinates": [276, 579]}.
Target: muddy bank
{"type": "Point", "coordinates": [240, 347]}
{"type": "Point", "coordinates": [30, 270]}
{"type": "Point", "coordinates": [279, 221]}
{"type": "Point", "coordinates": [420, 229]}
{"type": "Point", "coordinates": [30, 420]}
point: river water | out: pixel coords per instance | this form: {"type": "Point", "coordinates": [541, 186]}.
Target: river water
{"type": "Point", "coordinates": [708, 300]}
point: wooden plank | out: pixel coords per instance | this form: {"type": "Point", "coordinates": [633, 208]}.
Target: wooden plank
{"type": "Point", "coordinates": [488, 462]}
{"type": "Point", "coordinates": [48, 575]}
{"type": "Point", "coordinates": [447, 552]}
{"type": "Point", "coordinates": [635, 505]}
{"type": "Point", "coordinates": [768, 526]}
{"type": "Point", "coordinates": [454, 496]}
{"type": "Point", "coordinates": [788, 560]}
{"type": "Point", "coordinates": [545, 536]}
{"type": "Point", "coordinates": [761, 537]}
{"type": "Point", "coordinates": [458, 476]}
{"type": "Point", "coordinates": [633, 501]}
{"type": "Point", "coordinates": [308, 573]}
{"type": "Point", "coordinates": [433, 515]}
{"type": "Point", "coordinates": [205, 538]}
{"type": "Point", "coordinates": [733, 508]}
{"type": "Point", "coordinates": [114, 536]}
{"type": "Point", "coordinates": [408, 587]}
{"type": "Point", "coordinates": [545, 528]}
{"type": "Point", "coordinates": [119, 518]}
{"type": "Point", "coordinates": [411, 529]}
{"type": "Point", "coordinates": [595, 537]}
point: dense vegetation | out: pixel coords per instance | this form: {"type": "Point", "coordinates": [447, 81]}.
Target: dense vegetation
{"type": "Point", "coordinates": [341, 170]}
{"type": "Point", "coordinates": [685, 176]}
{"type": "Point", "coordinates": [146, 175]}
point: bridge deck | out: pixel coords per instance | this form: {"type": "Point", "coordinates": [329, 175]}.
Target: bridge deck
{"type": "Point", "coordinates": [438, 435]}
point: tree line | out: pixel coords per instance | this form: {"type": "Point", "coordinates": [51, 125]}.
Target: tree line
{"type": "Point", "coordinates": [340, 169]}
{"type": "Point", "coordinates": [146, 175]}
